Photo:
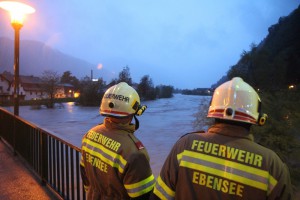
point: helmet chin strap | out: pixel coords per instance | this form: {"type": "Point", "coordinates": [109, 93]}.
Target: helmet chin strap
{"type": "Point", "coordinates": [139, 112]}
{"type": "Point", "coordinates": [137, 123]}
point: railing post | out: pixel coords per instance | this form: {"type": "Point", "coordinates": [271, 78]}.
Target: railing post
{"type": "Point", "coordinates": [43, 157]}
{"type": "Point", "coordinates": [14, 135]}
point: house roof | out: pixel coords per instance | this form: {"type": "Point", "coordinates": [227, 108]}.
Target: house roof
{"type": "Point", "coordinates": [31, 87]}
{"type": "Point", "coordinates": [66, 85]}
{"type": "Point", "coordinates": [23, 79]}
{"type": "Point", "coordinates": [30, 80]}
{"type": "Point", "coordinates": [30, 83]}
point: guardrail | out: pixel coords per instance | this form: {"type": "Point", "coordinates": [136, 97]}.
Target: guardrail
{"type": "Point", "coordinates": [54, 160]}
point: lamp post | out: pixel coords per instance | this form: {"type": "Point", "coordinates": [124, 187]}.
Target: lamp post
{"type": "Point", "coordinates": [17, 11]}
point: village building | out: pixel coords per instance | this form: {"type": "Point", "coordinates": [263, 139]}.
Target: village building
{"type": "Point", "coordinates": [30, 87]}
{"type": "Point", "coordinates": [5, 88]}
{"type": "Point", "coordinates": [65, 90]}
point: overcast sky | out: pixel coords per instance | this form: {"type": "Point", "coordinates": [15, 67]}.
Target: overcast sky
{"type": "Point", "coordinates": [183, 43]}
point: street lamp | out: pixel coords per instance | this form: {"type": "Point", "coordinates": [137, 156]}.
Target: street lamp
{"type": "Point", "coordinates": [17, 11]}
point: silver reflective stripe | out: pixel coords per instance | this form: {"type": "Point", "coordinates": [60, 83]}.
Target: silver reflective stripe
{"type": "Point", "coordinates": [163, 192]}
{"type": "Point", "coordinates": [148, 185]}
{"type": "Point", "coordinates": [228, 169]}
{"type": "Point", "coordinates": [114, 161]}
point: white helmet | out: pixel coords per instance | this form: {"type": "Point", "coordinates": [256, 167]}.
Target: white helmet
{"type": "Point", "coordinates": [237, 101]}
{"type": "Point", "coordinates": [121, 100]}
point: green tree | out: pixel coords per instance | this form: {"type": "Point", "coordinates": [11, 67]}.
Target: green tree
{"type": "Point", "coordinates": [243, 67]}
{"type": "Point", "coordinates": [164, 91]}
{"type": "Point", "coordinates": [146, 89]}
{"type": "Point", "coordinates": [50, 82]}
{"type": "Point", "coordinates": [68, 78]}
{"type": "Point", "coordinates": [113, 82]}
{"type": "Point", "coordinates": [91, 92]}
{"type": "Point", "coordinates": [124, 76]}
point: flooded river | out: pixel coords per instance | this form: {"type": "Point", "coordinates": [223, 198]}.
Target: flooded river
{"type": "Point", "coordinates": [161, 125]}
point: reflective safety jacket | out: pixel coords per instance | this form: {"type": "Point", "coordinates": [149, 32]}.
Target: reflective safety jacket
{"type": "Point", "coordinates": [114, 163]}
{"type": "Point", "coordinates": [224, 163]}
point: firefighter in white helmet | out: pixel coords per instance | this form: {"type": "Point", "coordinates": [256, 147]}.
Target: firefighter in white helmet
{"type": "Point", "coordinates": [114, 163]}
{"type": "Point", "coordinates": [225, 162]}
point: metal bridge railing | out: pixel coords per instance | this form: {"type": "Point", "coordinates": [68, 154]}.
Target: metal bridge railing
{"type": "Point", "coordinates": [54, 160]}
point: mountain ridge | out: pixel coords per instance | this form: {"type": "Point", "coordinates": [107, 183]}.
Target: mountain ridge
{"type": "Point", "coordinates": [37, 57]}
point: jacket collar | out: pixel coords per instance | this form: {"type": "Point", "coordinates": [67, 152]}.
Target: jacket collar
{"type": "Point", "coordinates": [231, 130]}
{"type": "Point", "coordinates": [112, 125]}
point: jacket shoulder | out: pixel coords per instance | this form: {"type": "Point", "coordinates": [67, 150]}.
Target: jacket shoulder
{"type": "Point", "coordinates": [271, 153]}
{"type": "Point", "coordinates": [138, 144]}
{"type": "Point", "coordinates": [202, 131]}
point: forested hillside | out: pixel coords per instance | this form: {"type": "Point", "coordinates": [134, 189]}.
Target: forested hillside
{"type": "Point", "coordinates": [274, 63]}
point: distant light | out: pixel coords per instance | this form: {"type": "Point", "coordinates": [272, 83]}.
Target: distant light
{"type": "Point", "coordinates": [17, 10]}
{"type": "Point", "coordinates": [291, 87]}
{"type": "Point", "coordinates": [70, 91]}
{"type": "Point", "coordinates": [76, 94]}
{"type": "Point", "coordinates": [95, 79]}
{"type": "Point", "coordinates": [100, 66]}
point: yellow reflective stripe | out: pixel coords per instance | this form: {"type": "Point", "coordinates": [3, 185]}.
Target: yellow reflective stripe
{"type": "Point", "coordinates": [229, 163]}
{"type": "Point", "coordinates": [238, 172]}
{"type": "Point", "coordinates": [105, 150]}
{"type": "Point", "coordinates": [162, 190]}
{"type": "Point", "coordinates": [81, 160]}
{"type": "Point", "coordinates": [103, 158]}
{"type": "Point", "coordinates": [273, 183]}
{"type": "Point", "coordinates": [109, 162]}
{"type": "Point", "coordinates": [82, 163]}
{"type": "Point", "coordinates": [225, 174]}
{"type": "Point", "coordinates": [140, 188]}
{"type": "Point", "coordinates": [179, 156]}
{"type": "Point", "coordinates": [159, 194]}
{"type": "Point", "coordinates": [222, 173]}
{"type": "Point", "coordinates": [138, 184]}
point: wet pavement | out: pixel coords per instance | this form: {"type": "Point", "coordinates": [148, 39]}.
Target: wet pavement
{"type": "Point", "coordinates": [17, 181]}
